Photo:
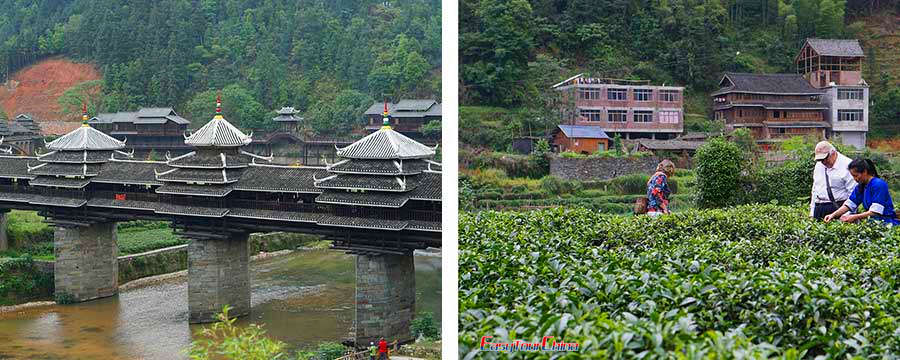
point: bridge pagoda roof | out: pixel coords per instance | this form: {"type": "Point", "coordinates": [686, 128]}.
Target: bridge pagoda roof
{"type": "Point", "coordinates": [86, 138]}
{"type": "Point", "coordinates": [287, 114]}
{"type": "Point", "coordinates": [218, 132]}
{"type": "Point", "coordinates": [386, 144]}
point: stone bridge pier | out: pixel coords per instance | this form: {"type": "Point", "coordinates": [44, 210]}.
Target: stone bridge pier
{"type": "Point", "coordinates": [4, 241]}
{"type": "Point", "coordinates": [86, 265]}
{"type": "Point", "coordinates": [385, 297]}
{"type": "Point", "coordinates": [218, 275]}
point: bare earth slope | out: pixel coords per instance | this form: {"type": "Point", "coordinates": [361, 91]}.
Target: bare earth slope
{"type": "Point", "coordinates": [34, 90]}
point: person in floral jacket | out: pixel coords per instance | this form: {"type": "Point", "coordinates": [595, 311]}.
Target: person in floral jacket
{"type": "Point", "coordinates": [658, 189]}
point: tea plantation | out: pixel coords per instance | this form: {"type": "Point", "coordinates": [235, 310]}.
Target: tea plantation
{"type": "Point", "coordinates": [760, 281]}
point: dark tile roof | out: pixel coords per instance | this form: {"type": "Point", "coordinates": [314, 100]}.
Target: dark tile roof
{"type": "Point", "coordinates": [406, 109]}
{"type": "Point", "coordinates": [365, 223]}
{"type": "Point", "coordinates": [173, 209]}
{"type": "Point", "coordinates": [142, 116]}
{"type": "Point", "coordinates": [275, 215]}
{"type": "Point", "coordinates": [4, 128]}
{"type": "Point", "coordinates": [90, 156]}
{"type": "Point", "coordinates": [280, 179]}
{"type": "Point", "coordinates": [59, 182]}
{"type": "Point", "coordinates": [56, 201]}
{"type": "Point", "coordinates": [16, 167]}
{"type": "Point", "coordinates": [195, 160]}
{"type": "Point", "coordinates": [122, 204]}
{"type": "Point", "coordinates": [379, 167]}
{"type": "Point", "coordinates": [583, 132]}
{"type": "Point", "coordinates": [66, 169]}
{"type": "Point", "coordinates": [14, 196]}
{"type": "Point", "coordinates": [365, 182]}
{"type": "Point", "coordinates": [201, 190]}
{"type": "Point", "coordinates": [202, 175]}
{"type": "Point", "coordinates": [424, 225]}
{"type": "Point", "coordinates": [130, 172]}
{"type": "Point", "coordinates": [783, 84]}
{"type": "Point", "coordinates": [368, 198]}
{"type": "Point", "coordinates": [428, 187]}
{"type": "Point", "coordinates": [670, 144]}
{"type": "Point", "coordinates": [836, 47]}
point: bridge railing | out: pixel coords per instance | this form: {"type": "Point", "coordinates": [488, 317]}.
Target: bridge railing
{"type": "Point", "coordinates": [425, 215]}
{"type": "Point", "coordinates": [124, 195]}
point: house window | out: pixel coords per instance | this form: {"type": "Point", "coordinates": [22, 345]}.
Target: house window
{"type": "Point", "coordinates": [776, 114]}
{"type": "Point", "coordinates": [616, 94]}
{"type": "Point", "coordinates": [850, 115]}
{"type": "Point", "coordinates": [617, 115]}
{"type": "Point", "coordinates": [850, 94]}
{"type": "Point", "coordinates": [591, 115]}
{"type": "Point", "coordinates": [589, 94]}
{"type": "Point", "coordinates": [643, 94]}
{"type": "Point", "coordinates": [669, 117]}
{"type": "Point", "coordinates": [668, 95]}
{"type": "Point", "coordinates": [740, 113]}
{"type": "Point", "coordinates": [643, 116]}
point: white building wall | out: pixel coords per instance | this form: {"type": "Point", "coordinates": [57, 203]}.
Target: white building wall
{"type": "Point", "coordinates": [850, 132]}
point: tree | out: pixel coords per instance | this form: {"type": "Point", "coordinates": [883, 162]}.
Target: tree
{"type": "Point", "coordinates": [341, 115]}
{"type": "Point", "coordinates": [239, 107]}
{"type": "Point", "coordinates": [88, 93]}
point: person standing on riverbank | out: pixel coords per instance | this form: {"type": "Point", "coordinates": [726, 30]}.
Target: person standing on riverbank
{"type": "Point", "coordinates": [382, 350]}
{"type": "Point", "coordinates": [832, 182]}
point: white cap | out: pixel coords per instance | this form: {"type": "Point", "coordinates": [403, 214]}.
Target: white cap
{"type": "Point", "coordinates": [823, 149]}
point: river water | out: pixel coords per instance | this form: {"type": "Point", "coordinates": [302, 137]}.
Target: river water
{"type": "Point", "coordinates": [302, 299]}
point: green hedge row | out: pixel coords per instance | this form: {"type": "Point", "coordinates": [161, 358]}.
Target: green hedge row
{"type": "Point", "coordinates": [20, 282]}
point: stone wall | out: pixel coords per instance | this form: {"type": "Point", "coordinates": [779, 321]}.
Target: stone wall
{"type": "Point", "coordinates": [218, 275]}
{"type": "Point", "coordinates": [385, 297]}
{"type": "Point", "coordinates": [86, 266]}
{"type": "Point", "coordinates": [590, 169]}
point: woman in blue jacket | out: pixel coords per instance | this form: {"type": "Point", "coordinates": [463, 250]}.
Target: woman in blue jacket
{"type": "Point", "coordinates": [871, 192]}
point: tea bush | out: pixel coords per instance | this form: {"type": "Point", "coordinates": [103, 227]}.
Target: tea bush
{"type": "Point", "coordinates": [758, 281]}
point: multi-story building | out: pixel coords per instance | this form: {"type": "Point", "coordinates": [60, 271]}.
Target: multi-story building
{"type": "Point", "coordinates": [630, 109]}
{"type": "Point", "coordinates": [407, 116]}
{"type": "Point", "coordinates": [771, 106]}
{"type": "Point", "coordinates": [147, 129]}
{"type": "Point", "coordinates": [835, 66]}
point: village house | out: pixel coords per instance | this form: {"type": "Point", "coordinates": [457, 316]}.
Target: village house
{"type": "Point", "coordinates": [406, 116]}
{"type": "Point", "coordinates": [20, 136]}
{"type": "Point", "coordinates": [630, 109]}
{"type": "Point", "coordinates": [827, 98]}
{"type": "Point", "coordinates": [583, 139]}
{"type": "Point", "coordinates": [159, 129]}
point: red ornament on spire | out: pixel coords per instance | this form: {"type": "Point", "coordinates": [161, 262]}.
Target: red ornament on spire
{"type": "Point", "coordinates": [83, 109]}
{"type": "Point", "coordinates": [218, 104]}
{"type": "Point", "coordinates": [385, 107]}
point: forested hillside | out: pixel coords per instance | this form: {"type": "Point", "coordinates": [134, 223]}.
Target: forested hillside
{"type": "Point", "coordinates": [328, 58]}
{"type": "Point", "coordinates": [512, 51]}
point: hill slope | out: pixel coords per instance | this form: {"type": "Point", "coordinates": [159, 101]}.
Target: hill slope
{"type": "Point", "coordinates": [35, 89]}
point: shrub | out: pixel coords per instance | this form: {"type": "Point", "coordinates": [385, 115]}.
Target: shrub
{"type": "Point", "coordinates": [233, 342]}
{"type": "Point", "coordinates": [553, 185]}
{"type": "Point", "coordinates": [571, 155]}
{"type": "Point", "coordinates": [718, 165]}
{"type": "Point", "coordinates": [330, 351]}
{"type": "Point", "coordinates": [425, 326]}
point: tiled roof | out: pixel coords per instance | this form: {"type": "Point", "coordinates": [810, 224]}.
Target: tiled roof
{"type": "Point", "coordinates": [122, 204]}
{"type": "Point", "coordinates": [201, 175]}
{"type": "Point", "coordinates": [142, 116]}
{"type": "Point", "coordinates": [366, 182]}
{"type": "Point", "coordinates": [378, 167]}
{"type": "Point", "coordinates": [428, 187]}
{"type": "Point", "coordinates": [280, 179]}
{"type": "Point", "coordinates": [836, 47]}
{"type": "Point", "coordinates": [415, 105]}
{"type": "Point", "coordinates": [368, 198]}
{"type": "Point", "coordinates": [130, 172]}
{"type": "Point", "coordinates": [358, 222]}
{"type": "Point", "coordinates": [783, 84]}
{"type": "Point", "coordinates": [15, 167]}
{"type": "Point", "coordinates": [86, 138]}
{"type": "Point", "coordinates": [14, 196]}
{"type": "Point", "coordinates": [201, 190]}
{"type": "Point", "coordinates": [424, 225]}
{"type": "Point", "coordinates": [66, 169]}
{"type": "Point", "coordinates": [406, 109]}
{"type": "Point", "coordinates": [193, 160]}
{"type": "Point", "coordinates": [56, 201]}
{"type": "Point", "coordinates": [218, 132]}
{"type": "Point", "coordinates": [386, 144]}
{"type": "Point", "coordinates": [4, 128]}
{"type": "Point", "coordinates": [275, 215]}
{"type": "Point", "coordinates": [173, 209]}
{"type": "Point", "coordinates": [84, 156]}
{"type": "Point", "coordinates": [583, 132]}
{"type": "Point", "coordinates": [59, 182]}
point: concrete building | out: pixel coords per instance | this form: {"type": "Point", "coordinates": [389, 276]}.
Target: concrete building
{"type": "Point", "coordinates": [633, 109]}
{"type": "Point", "coordinates": [835, 66]}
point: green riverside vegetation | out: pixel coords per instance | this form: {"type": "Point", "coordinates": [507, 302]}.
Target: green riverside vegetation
{"type": "Point", "coordinates": [753, 281]}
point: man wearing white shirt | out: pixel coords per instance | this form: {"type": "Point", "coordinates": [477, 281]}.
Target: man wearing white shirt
{"type": "Point", "coordinates": [832, 182]}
